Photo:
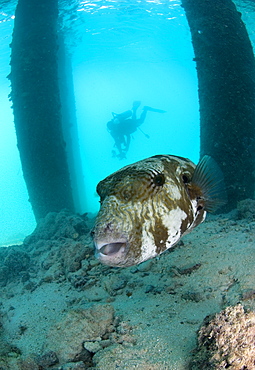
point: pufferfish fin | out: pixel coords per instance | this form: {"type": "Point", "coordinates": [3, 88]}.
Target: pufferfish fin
{"type": "Point", "coordinates": [209, 178]}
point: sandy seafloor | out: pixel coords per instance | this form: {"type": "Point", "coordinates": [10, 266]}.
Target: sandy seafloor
{"type": "Point", "coordinates": [61, 309]}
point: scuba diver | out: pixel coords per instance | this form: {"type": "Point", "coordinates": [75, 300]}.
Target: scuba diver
{"type": "Point", "coordinates": [124, 124]}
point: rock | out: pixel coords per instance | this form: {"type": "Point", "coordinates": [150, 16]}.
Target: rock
{"type": "Point", "coordinates": [92, 346]}
{"type": "Point", "coordinates": [3, 276]}
{"type": "Point", "coordinates": [5, 347]}
{"type": "Point", "coordinates": [74, 366]}
{"type": "Point", "coordinates": [57, 225]}
{"type": "Point", "coordinates": [192, 296]}
{"type": "Point", "coordinates": [66, 338]}
{"type": "Point", "coordinates": [146, 266]}
{"type": "Point", "coordinates": [119, 283]}
{"type": "Point", "coordinates": [47, 359]}
{"type": "Point", "coordinates": [153, 289]}
{"type": "Point", "coordinates": [58, 247]}
{"type": "Point", "coordinates": [4, 365]}
{"type": "Point", "coordinates": [14, 262]}
{"type": "Point", "coordinates": [28, 364]}
{"type": "Point", "coordinates": [149, 288]}
{"type": "Point", "coordinates": [188, 269]}
{"type": "Point", "coordinates": [115, 283]}
{"type": "Point", "coordinates": [246, 209]}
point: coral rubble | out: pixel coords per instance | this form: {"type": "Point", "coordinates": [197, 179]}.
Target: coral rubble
{"type": "Point", "coordinates": [227, 341]}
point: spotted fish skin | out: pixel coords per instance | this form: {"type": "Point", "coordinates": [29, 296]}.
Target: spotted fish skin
{"type": "Point", "coordinates": [146, 207]}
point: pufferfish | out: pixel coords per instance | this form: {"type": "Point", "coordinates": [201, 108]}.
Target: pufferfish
{"type": "Point", "coordinates": [147, 206]}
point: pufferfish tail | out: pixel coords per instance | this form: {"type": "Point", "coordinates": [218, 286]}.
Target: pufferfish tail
{"type": "Point", "coordinates": [209, 177]}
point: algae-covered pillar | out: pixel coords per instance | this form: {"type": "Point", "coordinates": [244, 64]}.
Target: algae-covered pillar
{"type": "Point", "coordinates": [226, 81]}
{"type": "Point", "coordinates": [36, 106]}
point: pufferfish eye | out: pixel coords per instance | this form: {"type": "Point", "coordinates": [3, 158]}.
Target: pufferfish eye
{"type": "Point", "coordinates": [185, 179]}
{"type": "Point", "coordinates": [159, 179]}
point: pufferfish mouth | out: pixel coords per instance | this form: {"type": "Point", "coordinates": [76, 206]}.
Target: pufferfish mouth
{"type": "Point", "coordinates": [110, 251]}
{"type": "Point", "coordinates": [112, 248]}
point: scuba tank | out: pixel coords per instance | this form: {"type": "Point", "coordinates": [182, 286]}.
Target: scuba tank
{"type": "Point", "coordinates": [124, 115]}
{"type": "Point", "coordinates": [117, 119]}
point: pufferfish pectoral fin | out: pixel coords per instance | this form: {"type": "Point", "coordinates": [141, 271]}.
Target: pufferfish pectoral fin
{"type": "Point", "coordinates": [209, 178]}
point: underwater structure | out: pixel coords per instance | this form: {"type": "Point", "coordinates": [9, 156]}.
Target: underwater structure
{"type": "Point", "coordinates": [226, 87]}
{"type": "Point", "coordinates": [37, 107]}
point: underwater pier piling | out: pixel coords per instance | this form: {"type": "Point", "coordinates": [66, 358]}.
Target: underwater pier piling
{"type": "Point", "coordinates": [37, 106]}
{"type": "Point", "coordinates": [226, 81]}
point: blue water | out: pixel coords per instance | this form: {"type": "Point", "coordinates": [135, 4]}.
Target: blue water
{"type": "Point", "coordinates": [134, 52]}
{"type": "Point", "coordinates": [121, 51]}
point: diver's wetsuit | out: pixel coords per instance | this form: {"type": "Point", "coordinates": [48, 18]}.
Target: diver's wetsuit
{"type": "Point", "coordinates": [122, 126]}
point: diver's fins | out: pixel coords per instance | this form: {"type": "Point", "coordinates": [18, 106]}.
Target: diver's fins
{"type": "Point", "coordinates": [154, 110]}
